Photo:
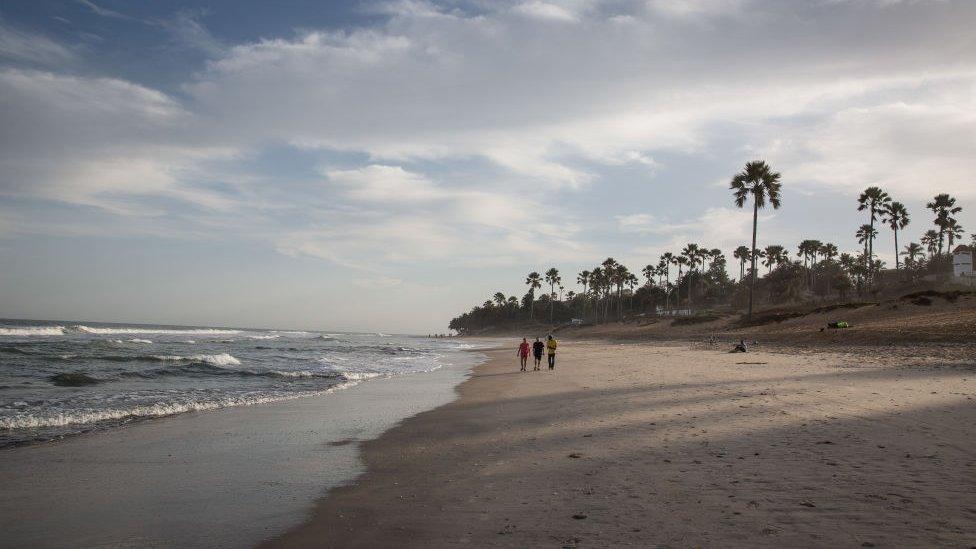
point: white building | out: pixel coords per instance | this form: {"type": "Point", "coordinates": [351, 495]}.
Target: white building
{"type": "Point", "coordinates": [962, 262]}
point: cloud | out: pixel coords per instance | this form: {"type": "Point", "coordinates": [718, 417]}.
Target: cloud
{"type": "Point", "coordinates": [544, 10]}
{"type": "Point", "coordinates": [103, 12]}
{"type": "Point", "coordinates": [464, 131]}
{"type": "Point", "coordinates": [19, 45]}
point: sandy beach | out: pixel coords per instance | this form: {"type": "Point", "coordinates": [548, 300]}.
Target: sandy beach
{"type": "Point", "coordinates": [676, 445]}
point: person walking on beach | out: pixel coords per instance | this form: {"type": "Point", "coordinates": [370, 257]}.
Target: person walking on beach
{"type": "Point", "coordinates": [523, 353]}
{"type": "Point", "coordinates": [537, 348]}
{"type": "Point", "coordinates": [551, 348]}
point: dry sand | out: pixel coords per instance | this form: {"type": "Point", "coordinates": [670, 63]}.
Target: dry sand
{"type": "Point", "coordinates": [675, 446]}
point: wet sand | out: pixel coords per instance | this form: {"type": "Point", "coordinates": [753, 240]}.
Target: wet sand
{"type": "Point", "coordinates": [676, 446]}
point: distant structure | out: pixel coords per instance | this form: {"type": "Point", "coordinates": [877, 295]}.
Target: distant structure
{"type": "Point", "coordinates": [962, 263]}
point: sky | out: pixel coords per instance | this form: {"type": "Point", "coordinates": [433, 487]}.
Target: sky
{"type": "Point", "coordinates": [386, 165]}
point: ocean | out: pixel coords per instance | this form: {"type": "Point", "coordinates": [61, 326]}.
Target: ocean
{"type": "Point", "coordinates": [59, 379]}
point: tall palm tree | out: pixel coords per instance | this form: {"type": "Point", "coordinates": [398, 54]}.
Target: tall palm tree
{"type": "Point", "coordinates": [828, 250]}
{"type": "Point", "coordinates": [742, 254]}
{"type": "Point", "coordinates": [667, 259]}
{"type": "Point", "coordinates": [620, 277]}
{"type": "Point", "coordinates": [631, 283]}
{"type": "Point", "coordinates": [896, 216]}
{"type": "Point", "coordinates": [681, 260]}
{"type": "Point", "coordinates": [500, 299]}
{"type": "Point", "coordinates": [760, 181]}
{"type": "Point", "coordinates": [874, 200]}
{"type": "Point", "coordinates": [775, 255]}
{"type": "Point", "coordinates": [649, 271]}
{"type": "Point", "coordinates": [955, 232]}
{"type": "Point", "coordinates": [596, 283]}
{"type": "Point", "coordinates": [534, 281]}
{"type": "Point", "coordinates": [553, 279]}
{"type": "Point", "coordinates": [931, 241]}
{"type": "Point", "coordinates": [865, 233]}
{"type": "Point", "coordinates": [610, 276]}
{"type": "Point", "coordinates": [692, 252]}
{"type": "Point", "coordinates": [583, 279]}
{"type": "Point", "coordinates": [944, 207]}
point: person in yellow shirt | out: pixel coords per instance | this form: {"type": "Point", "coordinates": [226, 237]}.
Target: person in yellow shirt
{"type": "Point", "coordinates": [551, 351]}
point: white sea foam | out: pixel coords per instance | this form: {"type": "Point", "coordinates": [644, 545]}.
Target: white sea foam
{"type": "Point", "coordinates": [32, 331]}
{"type": "Point", "coordinates": [222, 359]}
{"type": "Point", "coordinates": [294, 373]}
{"type": "Point", "coordinates": [189, 331]}
{"type": "Point", "coordinates": [359, 376]}
{"type": "Point", "coordinates": [34, 421]}
{"type": "Point", "coordinates": [270, 336]}
{"type": "Point", "coordinates": [133, 340]}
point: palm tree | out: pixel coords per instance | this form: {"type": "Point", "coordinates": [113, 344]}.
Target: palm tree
{"type": "Point", "coordinates": [874, 200]}
{"type": "Point", "coordinates": [692, 252]}
{"type": "Point", "coordinates": [534, 281]}
{"type": "Point", "coordinates": [667, 259]}
{"type": "Point", "coordinates": [632, 283]}
{"type": "Point", "coordinates": [620, 276]}
{"type": "Point", "coordinates": [954, 231]}
{"type": "Point", "coordinates": [911, 253]}
{"type": "Point", "coordinates": [944, 207]}
{"type": "Point", "coordinates": [760, 181]}
{"type": "Point", "coordinates": [742, 254]}
{"type": "Point", "coordinates": [649, 271]}
{"type": "Point", "coordinates": [828, 250]}
{"type": "Point", "coordinates": [610, 277]}
{"type": "Point", "coordinates": [583, 278]}
{"type": "Point", "coordinates": [931, 241]}
{"type": "Point", "coordinates": [896, 216]}
{"type": "Point", "coordinates": [596, 282]}
{"type": "Point", "coordinates": [681, 260]}
{"type": "Point", "coordinates": [865, 233]}
{"type": "Point", "coordinates": [499, 299]}
{"type": "Point", "coordinates": [553, 279]}
{"type": "Point", "coordinates": [775, 255]}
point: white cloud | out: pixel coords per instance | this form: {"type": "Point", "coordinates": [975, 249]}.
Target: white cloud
{"type": "Point", "coordinates": [545, 10]}
{"type": "Point", "coordinates": [24, 46]}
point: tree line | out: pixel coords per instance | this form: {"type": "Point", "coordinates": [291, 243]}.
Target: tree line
{"type": "Point", "coordinates": [611, 291]}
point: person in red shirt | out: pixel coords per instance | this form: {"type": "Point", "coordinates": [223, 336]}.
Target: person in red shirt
{"type": "Point", "coordinates": [523, 353]}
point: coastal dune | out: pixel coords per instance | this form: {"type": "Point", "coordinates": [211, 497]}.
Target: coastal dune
{"type": "Point", "coordinates": [675, 445]}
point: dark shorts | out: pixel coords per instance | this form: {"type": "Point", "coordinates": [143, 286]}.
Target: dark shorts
{"type": "Point", "coordinates": [538, 356]}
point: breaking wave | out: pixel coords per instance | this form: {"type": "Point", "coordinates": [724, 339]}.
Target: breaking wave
{"type": "Point", "coordinates": [33, 331]}
{"type": "Point", "coordinates": [188, 331]}
{"type": "Point", "coordinates": [35, 421]}
{"type": "Point", "coordinates": [222, 359]}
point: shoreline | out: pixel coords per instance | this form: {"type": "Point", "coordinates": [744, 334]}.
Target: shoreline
{"type": "Point", "coordinates": [230, 477]}
{"type": "Point", "coordinates": [637, 444]}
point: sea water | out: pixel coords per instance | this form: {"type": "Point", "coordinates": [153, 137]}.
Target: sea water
{"type": "Point", "coordinates": [64, 378]}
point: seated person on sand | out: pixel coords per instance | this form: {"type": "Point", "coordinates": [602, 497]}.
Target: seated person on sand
{"type": "Point", "coordinates": [739, 347]}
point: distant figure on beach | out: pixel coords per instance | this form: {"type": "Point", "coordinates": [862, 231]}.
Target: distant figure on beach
{"type": "Point", "coordinates": [739, 347]}
{"type": "Point", "coordinates": [551, 348]}
{"type": "Point", "coordinates": [537, 348]}
{"type": "Point", "coordinates": [523, 353]}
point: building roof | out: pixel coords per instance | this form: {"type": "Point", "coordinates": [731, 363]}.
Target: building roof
{"type": "Point", "coordinates": [962, 249]}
